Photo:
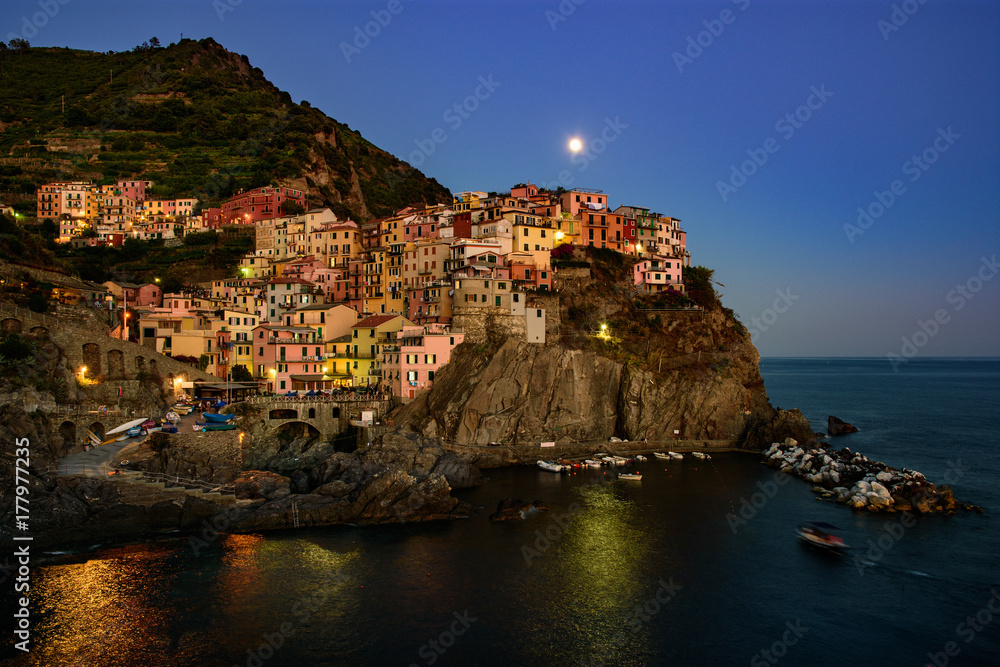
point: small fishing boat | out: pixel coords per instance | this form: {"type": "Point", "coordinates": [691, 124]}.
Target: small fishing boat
{"type": "Point", "coordinates": [591, 463]}
{"type": "Point", "coordinates": [630, 475]}
{"type": "Point", "coordinates": [214, 426]}
{"type": "Point", "coordinates": [662, 456]}
{"type": "Point", "coordinates": [172, 417]}
{"type": "Point", "coordinates": [551, 467]}
{"type": "Point", "coordinates": [675, 455]}
{"type": "Point", "coordinates": [818, 534]}
{"type": "Point", "coordinates": [218, 419]}
{"type": "Point", "coordinates": [640, 458]}
{"type": "Point", "coordinates": [698, 455]}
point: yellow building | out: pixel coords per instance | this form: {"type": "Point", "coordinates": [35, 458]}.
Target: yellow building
{"type": "Point", "coordinates": [534, 239]}
{"type": "Point", "coordinates": [360, 353]}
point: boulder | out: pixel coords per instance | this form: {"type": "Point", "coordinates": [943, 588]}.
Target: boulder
{"type": "Point", "coordinates": [836, 426]}
{"type": "Point", "coordinates": [515, 509]}
{"type": "Point", "coordinates": [858, 501]}
{"type": "Point", "coordinates": [884, 476]}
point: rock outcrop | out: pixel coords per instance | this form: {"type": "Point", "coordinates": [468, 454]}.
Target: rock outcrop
{"type": "Point", "coordinates": [836, 426]}
{"type": "Point", "coordinates": [525, 394]}
{"type": "Point", "coordinates": [860, 483]}
{"type": "Point", "coordinates": [515, 509]}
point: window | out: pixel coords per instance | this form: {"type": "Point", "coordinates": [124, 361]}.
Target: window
{"type": "Point", "coordinates": [538, 313]}
{"type": "Point", "coordinates": [497, 300]}
{"type": "Point", "coordinates": [282, 384]}
{"type": "Point", "coordinates": [305, 352]}
{"type": "Point", "coordinates": [411, 376]}
{"type": "Point", "coordinates": [260, 352]}
{"type": "Point", "coordinates": [430, 376]}
{"type": "Point", "coordinates": [525, 247]}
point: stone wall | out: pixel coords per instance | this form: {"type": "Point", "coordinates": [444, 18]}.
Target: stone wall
{"type": "Point", "coordinates": [480, 325]}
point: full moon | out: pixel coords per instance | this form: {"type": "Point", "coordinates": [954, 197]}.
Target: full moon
{"type": "Point", "coordinates": [575, 145]}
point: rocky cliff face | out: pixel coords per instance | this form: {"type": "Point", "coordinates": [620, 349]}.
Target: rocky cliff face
{"type": "Point", "coordinates": [525, 393]}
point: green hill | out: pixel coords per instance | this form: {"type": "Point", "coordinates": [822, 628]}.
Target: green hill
{"type": "Point", "coordinates": [194, 118]}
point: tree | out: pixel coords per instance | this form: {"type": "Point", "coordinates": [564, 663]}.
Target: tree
{"type": "Point", "coordinates": [154, 42]}
{"type": "Point", "coordinates": [293, 208]}
{"type": "Point", "coordinates": [241, 374]}
{"type": "Point", "coordinates": [38, 302]}
{"type": "Point", "coordinates": [19, 43]}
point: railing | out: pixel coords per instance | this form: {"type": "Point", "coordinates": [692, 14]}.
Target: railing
{"type": "Point", "coordinates": [347, 395]}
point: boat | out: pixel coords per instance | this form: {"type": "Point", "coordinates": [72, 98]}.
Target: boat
{"type": "Point", "coordinates": [218, 419]}
{"type": "Point", "coordinates": [591, 463]}
{"type": "Point", "coordinates": [551, 467]}
{"type": "Point", "coordinates": [182, 409]}
{"type": "Point", "coordinates": [134, 431]}
{"type": "Point", "coordinates": [817, 534]}
{"type": "Point", "coordinates": [214, 426]}
{"type": "Point", "coordinates": [630, 475]}
{"type": "Point", "coordinates": [698, 455]}
{"type": "Point", "coordinates": [640, 458]}
{"type": "Point", "coordinates": [126, 426]}
{"type": "Point", "coordinates": [675, 455]}
{"type": "Point", "coordinates": [172, 417]}
{"type": "Point", "coordinates": [662, 456]}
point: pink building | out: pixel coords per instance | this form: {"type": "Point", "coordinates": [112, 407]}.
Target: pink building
{"type": "Point", "coordinates": [659, 273]}
{"type": "Point", "coordinates": [283, 353]}
{"type": "Point", "coordinates": [583, 199]}
{"type": "Point", "coordinates": [409, 366]}
{"type": "Point", "coordinates": [148, 295]}
{"type": "Point", "coordinates": [134, 189]}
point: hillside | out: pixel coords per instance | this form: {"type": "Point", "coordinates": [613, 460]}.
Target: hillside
{"type": "Point", "coordinates": [194, 118]}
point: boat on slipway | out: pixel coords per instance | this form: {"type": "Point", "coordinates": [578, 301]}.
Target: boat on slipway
{"type": "Point", "coordinates": [216, 418]}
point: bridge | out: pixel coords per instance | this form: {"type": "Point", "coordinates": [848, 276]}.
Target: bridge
{"type": "Point", "coordinates": [320, 415]}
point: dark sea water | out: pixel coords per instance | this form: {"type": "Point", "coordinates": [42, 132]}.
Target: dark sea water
{"type": "Point", "coordinates": [618, 573]}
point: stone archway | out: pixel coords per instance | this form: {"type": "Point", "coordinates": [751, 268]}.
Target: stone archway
{"type": "Point", "coordinates": [39, 332]}
{"type": "Point", "coordinates": [283, 413]}
{"type": "Point", "coordinates": [68, 432]}
{"type": "Point", "coordinates": [116, 364]}
{"type": "Point", "coordinates": [92, 359]}
{"type": "Point", "coordinates": [140, 364]}
{"type": "Point", "coordinates": [10, 325]}
{"type": "Point", "coordinates": [336, 412]}
{"type": "Point", "coordinates": [312, 413]}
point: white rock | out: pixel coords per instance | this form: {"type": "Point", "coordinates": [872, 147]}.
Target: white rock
{"type": "Point", "coordinates": [863, 486]}
{"type": "Point", "coordinates": [884, 476]}
{"type": "Point", "coordinates": [876, 500]}
{"type": "Point", "coordinates": [880, 490]}
{"type": "Point", "coordinates": [857, 501]}
{"type": "Point", "coordinates": [797, 452]}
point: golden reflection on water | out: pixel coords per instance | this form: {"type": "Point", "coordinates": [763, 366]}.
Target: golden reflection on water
{"type": "Point", "coordinates": [122, 607]}
{"type": "Point", "coordinates": [100, 610]}
{"type": "Point", "coordinates": [589, 576]}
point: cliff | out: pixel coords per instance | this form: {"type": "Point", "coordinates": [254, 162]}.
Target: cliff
{"type": "Point", "coordinates": [655, 373]}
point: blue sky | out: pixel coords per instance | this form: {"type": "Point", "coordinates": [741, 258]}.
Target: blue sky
{"type": "Point", "coordinates": [828, 101]}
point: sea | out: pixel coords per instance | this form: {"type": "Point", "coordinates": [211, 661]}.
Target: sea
{"type": "Point", "coordinates": [696, 564]}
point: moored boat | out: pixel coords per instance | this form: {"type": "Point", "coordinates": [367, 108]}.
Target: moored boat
{"type": "Point", "coordinates": [662, 456]}
{"type": "Point", "coordinates": [591, 463]}
{"type": "Point", "coordinates": [630, 475]}
{"type": "Point", "coordinates": [550, 466]}
{"type": "Point", "coordinates": [698, 455]}
{"type": "Point", "coordinates": [640, 458]}
{"type": "Point", "coordinates": [218, 419]}
{"type": "Point", "coordinates": [675, 455]}
{"type": "Point", "coordinates": [214, 426]}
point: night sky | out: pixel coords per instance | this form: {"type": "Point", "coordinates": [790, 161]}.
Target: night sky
{"type": "Point", "coordinates": [764, 127]}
